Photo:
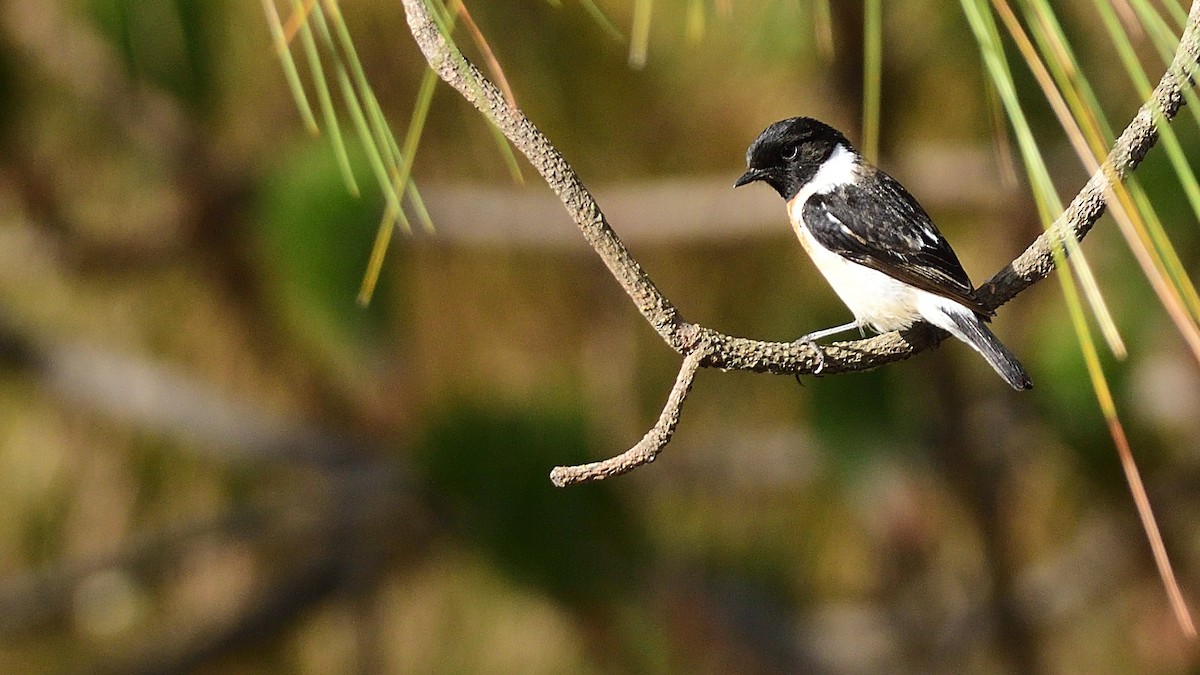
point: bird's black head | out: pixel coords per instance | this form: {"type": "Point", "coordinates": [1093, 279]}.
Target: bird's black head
{"type": "Point", "coordinates": [787, 154]}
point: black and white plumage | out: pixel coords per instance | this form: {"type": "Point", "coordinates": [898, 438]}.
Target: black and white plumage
{"type": "Point", "coordinates": [871, 240]}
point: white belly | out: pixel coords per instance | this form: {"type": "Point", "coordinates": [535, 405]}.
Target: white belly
{"type": "Point", "coordinates": [875, 298]}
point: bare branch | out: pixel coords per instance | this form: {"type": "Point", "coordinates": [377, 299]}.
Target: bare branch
{"type": "Point", "coordinates": [454, 68]}
{"type": "Point", "coordinates": [729, 352]}
{"type": "Point", "coordinates": [648, 448]}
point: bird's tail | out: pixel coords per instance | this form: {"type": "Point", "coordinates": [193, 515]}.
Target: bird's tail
{"type": "Point", "coordinates": [969, 328]}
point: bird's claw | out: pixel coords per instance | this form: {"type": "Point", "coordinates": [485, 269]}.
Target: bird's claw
{"type": "Point", "coordinates": [806, 341]}
{"type": "Point", "coordinates": [820, 357]}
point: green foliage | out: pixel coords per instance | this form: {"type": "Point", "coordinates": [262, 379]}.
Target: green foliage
{"type": "Point", "coordinates": [490, 467]}
{"type": "Point", "coordinates": [168, 44]}
{"type": "Point", "coordinates": [317, 238]}
{"type": "Point", "coordinates": [855, 417]}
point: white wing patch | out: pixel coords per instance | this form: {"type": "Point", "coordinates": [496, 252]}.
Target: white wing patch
{"type": "Point", "coordinates": [842, 226]}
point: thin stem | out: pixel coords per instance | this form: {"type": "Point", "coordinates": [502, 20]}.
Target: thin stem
{"type": "Point", "coordinates": [651, 444]}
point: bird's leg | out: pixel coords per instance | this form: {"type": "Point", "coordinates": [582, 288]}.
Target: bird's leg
{"type": "Point", "coordinates": [817, 335]}
{"type": "Point", "coordinates": [811, 341]}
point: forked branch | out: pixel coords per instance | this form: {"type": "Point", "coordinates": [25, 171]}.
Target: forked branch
{"type": "Point", "coordinates": [705, 347]}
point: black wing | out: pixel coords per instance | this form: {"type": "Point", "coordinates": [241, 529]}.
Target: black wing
{"type": "Point", "coordinates": [877, 223]}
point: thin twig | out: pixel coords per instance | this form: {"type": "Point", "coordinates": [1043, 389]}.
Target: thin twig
{"type": "Point", "coordinates": [648, 448]}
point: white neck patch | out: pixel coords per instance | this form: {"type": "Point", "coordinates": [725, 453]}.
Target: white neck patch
{"type": "Point", "coordinates": [839, 169]}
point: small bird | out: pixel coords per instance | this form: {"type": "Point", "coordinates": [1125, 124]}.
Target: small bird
{"type": "Point", "coordinates": [871, 240]}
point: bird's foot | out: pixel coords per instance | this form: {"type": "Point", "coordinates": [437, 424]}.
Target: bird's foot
{"type": "Point", "coordinates": [809, 342]}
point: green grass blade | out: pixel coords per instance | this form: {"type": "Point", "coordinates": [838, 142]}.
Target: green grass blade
{"type": "Point", "coordinates": [404, 159]}
{"type": "Point", "coordinates": [1142, 228]}
{"type": "Point", "coordinates": [1051, 39]}
{"type": "Point", "coordinates": [506, 152]}
{"type": "Point", "coordinates": [378, 161]}
{"type": "Point", "coordinates": [1162, 244]}
{"type": "Point", "coordinates": [1170, 143]}
{"type": "Point", "coordinates": [385, 141]}
{"type": "Point", "coordinates": [1141, 501]}
{"type": "Point", "coordinates": [1177, 12]}
{"type": "Point", "coordinates": [1087, 153]}
{"type": "Point", "coordinates": [1045, 196]}
{"type": "Point", "coordinates": [377, 126]}
{"type": "Point", "coordinates": [1164, 40]}
{"type": "Point", "coordinates": [412, 140]}
{"type": "Point", "coordinates": [605, 23]}
{"type": "Point", "coordinates": [325, 101]}
{"type": "Point", "coordinates": [1134, 214]}
{"type": "Point", "coordinates": [362, 127]}
{"type": "Point", "coordinates": [872, 76]}
{"type": "Point", "coordinates": [984, 29]}
{"type": "Point", "coordinates": [383, 237]}
{"type": "Point", "coordinates": [445, 23]}
{"type": "Point", "coordinates": [290, 73]}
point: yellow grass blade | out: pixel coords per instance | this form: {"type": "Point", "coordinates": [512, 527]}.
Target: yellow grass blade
{"type": "Point", "coordinates": [639, 35]}
{"type": "Point", "coordinates": [1047, 200]}
{"type": "Point", "coordinates": [1091, 357]}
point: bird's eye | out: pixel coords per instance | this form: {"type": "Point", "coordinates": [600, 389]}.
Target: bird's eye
{"type": "Point", "coordinates": [789, 153]}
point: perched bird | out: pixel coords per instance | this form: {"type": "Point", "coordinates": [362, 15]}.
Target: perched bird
{"type": "Point", "coordinates": [871, 240]}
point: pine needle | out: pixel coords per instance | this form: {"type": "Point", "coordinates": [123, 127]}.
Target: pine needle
{"type": "Point", "coordinates": [1100, 386]}
{"type": "Point", "coordinates": [602, 20]}
{"type": "Point", "coordinates": [639, 37]}
{"type": "Point", "coordinates": [485, 50]}
{"type": "Point", "coordinates": [290, 73]}
{"type": "Point", "coordinates": [324, 98]}
{"type": "Point", "coordinates": [1046, 197]}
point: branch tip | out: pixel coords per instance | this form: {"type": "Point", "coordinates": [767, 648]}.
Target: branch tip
{"type": "Point", "coordinates": [647, 449]}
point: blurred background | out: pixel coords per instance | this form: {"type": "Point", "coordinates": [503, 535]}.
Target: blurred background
{"type": "Point", "coordinates": [212, 459]}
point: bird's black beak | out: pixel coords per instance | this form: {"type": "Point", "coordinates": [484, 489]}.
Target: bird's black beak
{"type": "Point", "coordinates": [750, 176]}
